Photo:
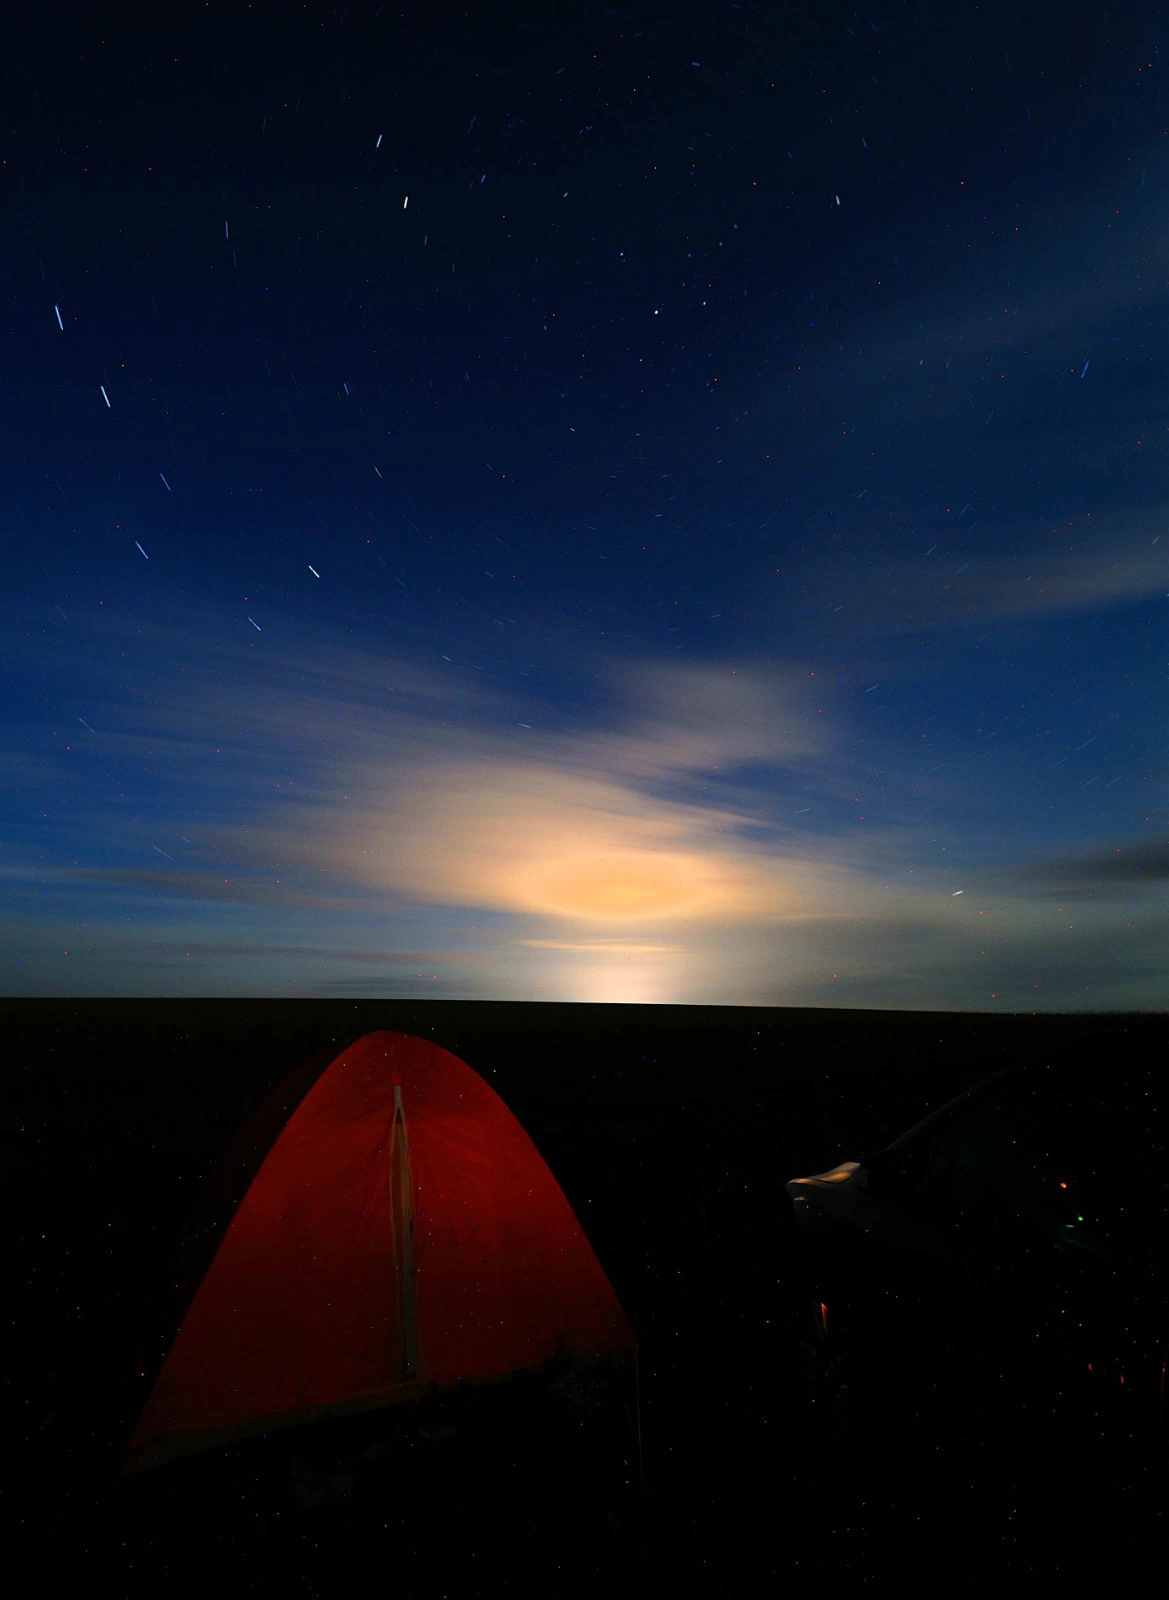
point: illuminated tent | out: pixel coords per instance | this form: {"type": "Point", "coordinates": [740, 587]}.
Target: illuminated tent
{"type": "Point", "coordinates": [403, 1235]}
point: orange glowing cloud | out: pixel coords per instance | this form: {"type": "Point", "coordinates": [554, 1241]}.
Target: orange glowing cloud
{"type": "Point", "coordinates": [558, 845]}
{"type": "Point", "coordinates": [580, 828]}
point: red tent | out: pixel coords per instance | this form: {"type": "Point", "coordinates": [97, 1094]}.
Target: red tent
{"type": "Point", "coordinates": [402, 1234]}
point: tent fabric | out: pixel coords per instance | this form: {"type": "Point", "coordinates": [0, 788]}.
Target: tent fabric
{"type": "Point", "coordinates": [402, 1234]}
{"type": "Point", "coordinates": [233, 1175]}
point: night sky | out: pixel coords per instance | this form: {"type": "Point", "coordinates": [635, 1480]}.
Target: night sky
{"type": "Point", "coordinates": [657, 503]}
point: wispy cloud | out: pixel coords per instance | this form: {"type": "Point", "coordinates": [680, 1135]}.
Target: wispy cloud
{"type": "Point", "coordinates": [1124, 870]}
{"type": "Point", "coordinates": [621, 946]}
{"type": "Point", "coordinates": [1047, 291]}
{"type": "Point", "coordinates": [632, 852]}
{"type": "Point", "coordinates": [568, 827]}
{"type": "Point", "coordinates": [1035, 579]}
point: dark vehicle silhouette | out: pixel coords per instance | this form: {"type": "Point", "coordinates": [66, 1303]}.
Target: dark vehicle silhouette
{"type": "Point", "coordinates": [996, 1278]}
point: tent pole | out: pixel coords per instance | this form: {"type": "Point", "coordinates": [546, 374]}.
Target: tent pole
{"type": "Point", "coordinates": [405, 1199]}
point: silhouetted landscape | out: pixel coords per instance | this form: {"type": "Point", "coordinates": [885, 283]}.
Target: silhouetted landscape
{"type": "Point", "coordinates": [672, 1132]}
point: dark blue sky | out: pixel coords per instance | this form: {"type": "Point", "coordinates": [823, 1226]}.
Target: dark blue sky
{"type": "Point", "coordinates": [657, 504]}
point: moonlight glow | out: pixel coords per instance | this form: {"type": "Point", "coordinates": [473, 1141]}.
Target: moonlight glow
{"type": "Point", "coordinates": [615, 887]}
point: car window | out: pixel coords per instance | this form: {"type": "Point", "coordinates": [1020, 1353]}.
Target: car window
{"type": "Point", "coordinates": [1060, 1151]}
{"type": "Point", "coordinates": [1001, 1165]}
{"type": "Point", "coordinates": [973, 1171]}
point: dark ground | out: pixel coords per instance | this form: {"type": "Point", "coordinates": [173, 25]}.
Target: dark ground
{"type": "Point", "coordinates": [672, 1131]}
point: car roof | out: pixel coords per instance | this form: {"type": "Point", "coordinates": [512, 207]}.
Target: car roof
{"type": "Point", "coordinates": [1067, 1053]}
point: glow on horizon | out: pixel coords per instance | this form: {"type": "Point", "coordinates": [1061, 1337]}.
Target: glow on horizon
{"type": "Point", "coordinates": [616, 983]}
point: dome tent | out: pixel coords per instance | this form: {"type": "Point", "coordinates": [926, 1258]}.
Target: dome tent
{"type": "Point", "coordinates": [402, 1236]}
